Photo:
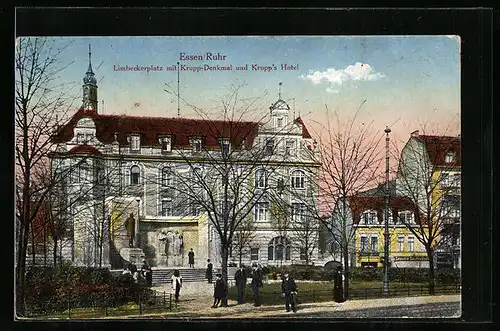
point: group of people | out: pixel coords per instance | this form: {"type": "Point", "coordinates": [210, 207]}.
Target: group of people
{"type": "Point", "coordinates": [145, 274]}
{"type": "Point", "coordinates": [288, 287]}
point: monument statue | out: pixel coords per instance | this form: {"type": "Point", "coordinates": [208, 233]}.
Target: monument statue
{"type": "Point", "coordinates": [130, 226]}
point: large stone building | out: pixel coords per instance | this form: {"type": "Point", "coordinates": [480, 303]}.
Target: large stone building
{"type": "Point", "coordinates": [153, 187]}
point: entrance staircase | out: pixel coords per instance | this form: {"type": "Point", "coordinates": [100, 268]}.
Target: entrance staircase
{"type": "Point", "coordinates": [163, 275]}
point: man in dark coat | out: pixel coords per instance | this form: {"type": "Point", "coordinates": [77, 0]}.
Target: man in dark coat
{"type": "Point", "coordinates": [220, 290]}
{"type": "Point", "coordinates": [289, 289]}
{"type": "Point", "coordinates": [191, 258]}
{"type": "Point", "coordinates": [256, 284]}
{"type": "Point", "coordinates": [241, 281]}
{"type": "Point", "coordinates": [208, 273]}
{"type": "Point", "coordinates": [338, 291]}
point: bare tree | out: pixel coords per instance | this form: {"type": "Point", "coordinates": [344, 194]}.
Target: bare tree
{"type": "Point", "coordinates": [350, 158]}
{"type": "Point", "coordinates": [243, 237]}
{"type": "Point", "coordinates": [41, 102]}
{"type": "Point", "coordinates": [228, 183]}
{"type": "Point", "coordinates": [429, 174]}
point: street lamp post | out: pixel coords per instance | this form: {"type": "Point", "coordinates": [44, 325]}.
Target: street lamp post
{"type": "Point", "coordinates": [385, 286]}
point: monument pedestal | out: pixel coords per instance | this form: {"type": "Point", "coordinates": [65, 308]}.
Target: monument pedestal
{"type": "Point", "coordinates": [135, 255]}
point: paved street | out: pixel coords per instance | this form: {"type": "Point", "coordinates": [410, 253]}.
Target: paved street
{"type": "Point", "coordinates": [196, 299]}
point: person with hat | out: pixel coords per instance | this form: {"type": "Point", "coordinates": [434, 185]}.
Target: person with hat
{"type": "Point", "coordinates": [256, 284]}
{"type": "Point", "coordinates": [289, 289]}
{"type": "Point", "coordinates": [240, 278]}
{"type": "Point", "coordinates": [220, 290]}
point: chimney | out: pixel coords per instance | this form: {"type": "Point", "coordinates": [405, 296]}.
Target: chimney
{"type": "Point", "coordinates": [415, 133]}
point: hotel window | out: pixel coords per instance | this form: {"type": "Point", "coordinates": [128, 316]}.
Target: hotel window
{"type": "Point", "coordinates": [369, 217]}
{"type": "Point", "coordinates": [225, 147]}
{"type": "Point", "coordinates": [363, 244]}
{"type": "Point", "coordinates": [290, 147]}
{"type": "Point", "coordinates": [166, 208]}
{"type": "Point", "coordinates": [83, 172]}
{"type": "Point", "coordinates": [269, 147]}
{"type": "Point", "coordinates": [374, 245]}
{"type": "Point", "coordinates": [135, 175]}
{"type": "Point", "coordinates": [261, 178]}
{"type": "Point", "coordinates": [261, 209]}
{"type": "Point", "coordinates": [298, 212]}
{"type": "Point", "coordinates": [298, 179]}
{"type": "Point", "coordinates": [166, 177]}
{"type": "Point", "coordinates": [135, 143]}
{"type": "Point", "coordinates": [401, 243]}
{"type": "Point", "coordinates": [254, 253]}
{"type": "Point", "coordinates": [166, 144]}
{"type": "Point", "coordinates": [80, 138]}
{"type": "Point", "coordinates": [196, 145]}
{"type": "Point", "coordinates": [411, 242]}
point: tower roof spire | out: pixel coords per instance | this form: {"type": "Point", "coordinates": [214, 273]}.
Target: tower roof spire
{"type": "Point", "coordinates": [89, 75]}
{"type": "Point", "coordinates": [279, 90]}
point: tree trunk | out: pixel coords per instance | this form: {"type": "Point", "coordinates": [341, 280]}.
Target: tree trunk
{"type": "Point", "coordinates": [225, 254]}
{"type": "Point", "coordinates": [432, 277]}
{"type": "Point", "coordinates": [54, 252]}
{"type": "Point", "coordinates": [346, 272]}
{"type": "Point", "coordinates": [33, 253]}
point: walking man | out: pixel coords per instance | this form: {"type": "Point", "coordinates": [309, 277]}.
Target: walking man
{"type": "Point", "coordinates": [191, 258]}
{"type": "Point", "coordinates": [256, 284]}
{"type": "Point", "coordinates": [208, 273]}
{"type": "Point", "coordinates": [241, 281]}
{"type": "Point", "coordinates": [289, 289]}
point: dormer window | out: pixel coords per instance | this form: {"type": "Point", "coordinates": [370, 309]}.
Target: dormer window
{"type": "Point", "coordinates": [80, 138]}
{"type": "Point", "coordinates": [269, 147]}
{"type": "Point", "coordinates": [166, 144]}
{"type": "Point", "coordinates": [290, 147]}
{"type": "Point", "coordinates": [196, 145]}
{"type": "Point", "coordinates": [225, 146]}
{"type": "Point", "coordinates": [135, 142]}
{"type": "Point", "coordinates": [369, 217]}
{"type": "Point", "coordinates": [406, 217]}
{"type": "Point", "coordinates": [450, 157]}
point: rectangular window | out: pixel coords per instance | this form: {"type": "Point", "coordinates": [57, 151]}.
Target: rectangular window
{"type": "Point", "coordinates": [298, 212]}
{"type": "Point", "coordinates": [80, 138]}
{"type": "Point", "coordinates": [303, 253]}
{"type": "Point", "coordinates": [261, 209]}
{"type": "Point", "coordinates": [269, 147]}
{"type": "Point", "coordinates": [405, 217]}
{"type": "Point", "coordinates": [196, 145]}
{"type": "Point", "coordinates": [225, 147]}
{"type": "Point", "coordinates": [411, 242]}
{"type": "Point", "coordinates": [254, 254]}
{"type": "Point", "coordinates": [364, 244]}
{"type": "Point", "coordinates": [401, 243]}
{"type": "Point", "coordinates": [135, 143]}
{"type": "Point", "coordinates": [166, 144]}
{"type": "Point", "coordinates": [166, 208]}
{"type": "Point", "coordinates": [279, 122]}
{"type": "Point", "coordinates": [290, 147]}
{"type": "Point", "coordinates": [450, 207]}
{"type": "Point", "coordinates": [374, 245]}
{"type": "Point", "coordinates": [369, 217]}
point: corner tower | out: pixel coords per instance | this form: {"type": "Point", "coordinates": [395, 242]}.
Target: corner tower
{"type": "Point", "coordinates": [279, 112]}
{"type": "Point", "coordinates": [90, 88]}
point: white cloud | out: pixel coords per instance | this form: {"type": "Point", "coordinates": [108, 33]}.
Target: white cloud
{"type": "Point", "coordinates": [355, 72]}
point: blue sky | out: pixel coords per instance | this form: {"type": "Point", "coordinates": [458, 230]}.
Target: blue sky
{"type": "Point", "coordinates": [408, 80]}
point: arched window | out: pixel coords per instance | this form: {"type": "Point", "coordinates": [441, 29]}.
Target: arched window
{"type": "Point", "coordinates": [298, 179]}
{"type": "Point", "coordinates": [135, 175]}
{"type": "Point", "coordinates": [261, 178]}
{"type": "Point", "coordinates": [279, 249]}
{"type": "Point", "coordinates": [166, 177]}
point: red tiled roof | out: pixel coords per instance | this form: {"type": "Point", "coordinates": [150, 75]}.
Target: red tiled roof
{"type": "Point", "coordinates": [84, 149]}
{"type": "Point", "coordinates": [305, 132]}
{"type": "Point", "coordinates": [439, 146]}
{"type": "Point", "coordinates": [358, 204]}
{"type": "Point", "coordinates": [150, 128]}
